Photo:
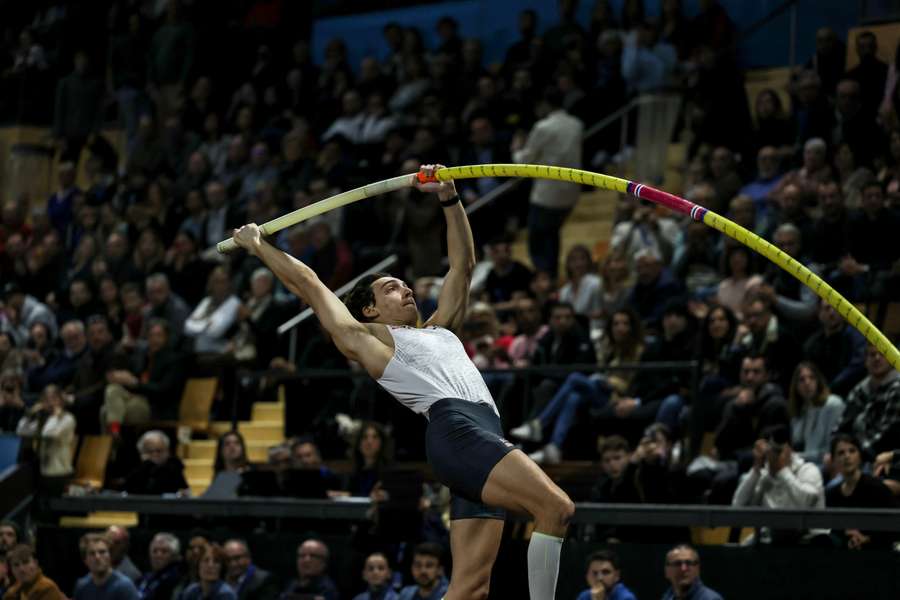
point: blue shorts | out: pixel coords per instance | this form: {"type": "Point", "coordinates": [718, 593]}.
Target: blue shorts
{"type": "Point", "coordinates": [464, 442]}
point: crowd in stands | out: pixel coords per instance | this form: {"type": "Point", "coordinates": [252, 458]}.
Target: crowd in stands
{"type": "Point", "coordinates": [112, 295]}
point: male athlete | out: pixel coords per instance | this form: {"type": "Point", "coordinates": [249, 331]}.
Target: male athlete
{"type": "Point", "coordinates": [428, 370]}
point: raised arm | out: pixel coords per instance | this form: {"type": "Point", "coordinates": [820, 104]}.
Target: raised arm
{"type": "Point", "coordinates": [354, 339]}
{"type": "Point", "coordinates": [454, 297]}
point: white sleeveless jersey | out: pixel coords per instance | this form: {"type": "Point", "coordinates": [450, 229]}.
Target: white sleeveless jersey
{"type": "Point", "coordinates": [430, 364]}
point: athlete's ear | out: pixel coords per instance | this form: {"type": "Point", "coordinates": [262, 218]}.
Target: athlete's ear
{"type": "Point", "coordinates": [370, 312]}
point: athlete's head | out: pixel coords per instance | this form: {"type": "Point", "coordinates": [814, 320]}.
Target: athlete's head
{"type": "Point", "coordinates": [427, 569]}
{"type": "Point", "coordinates": [381, 298]}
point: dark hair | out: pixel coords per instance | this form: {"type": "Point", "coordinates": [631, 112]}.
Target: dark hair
{"type": "Point", "coordinates": [553, 96]}
{"type": "Point", "coordinates": [628, 350]}
{"type": "Point", "coordinates": [776, 434]}
{"type": "Point", "coordinates": [385, 455]}
{"type": "Point", "coordinates": [605, 556]}
{"type": "Point", "coordinates": [614, 443]}
{"type": "Point", "coordinates": [430, 549]}
{"type": "Point", "coordinates": [846, 438]}
{"type": "Point", "coordinates": [779, 106]}
{"type": "Point", "coordinates": [220, 462]}
{"type": "Point", "coordinates": [732, 249]}
{"type": "Point", "coordinates": [362, 296]}
{"type": "Point", "coordinates": [758, 356]}
{"type": "Point", "coordinates": [795, 402]}
{"type": "Point", "coordinates": [15, 527]}
{"type": "Point", "coordinates": [708, 347]}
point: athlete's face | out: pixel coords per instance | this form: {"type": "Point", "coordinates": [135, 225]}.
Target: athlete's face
{"type": "Point", "coordinates": [394, 303]}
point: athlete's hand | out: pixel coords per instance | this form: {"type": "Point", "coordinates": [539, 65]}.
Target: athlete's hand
{"type": "Point", "coordinates": [248, 237]}
{"type": "Point", "coordinates": [444, 189]}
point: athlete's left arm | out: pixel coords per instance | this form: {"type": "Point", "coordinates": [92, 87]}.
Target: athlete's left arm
{"type": "Point", "coordinates": [454, 297]}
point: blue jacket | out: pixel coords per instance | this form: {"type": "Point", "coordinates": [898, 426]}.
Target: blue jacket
{"type": "Point", "coordinates": [382, 594]}
{"type": "Point", "coordinates": [618, 592]}
{"type": "Point", "coordinates": [698, 591]}
{"type": "Point", "coordinates": [220, 591]}
{"type": "Point", "coordinates": [411, 592]}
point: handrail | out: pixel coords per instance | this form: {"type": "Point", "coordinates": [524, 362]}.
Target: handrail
{"type": "Point", "coordinates": [357, 509]}
{"type": "Point", "coordinates": [307, 313]}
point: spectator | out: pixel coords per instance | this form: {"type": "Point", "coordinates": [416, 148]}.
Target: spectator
{"type": "Point", "coordinates": [377, 575]}
{"type": "Point", "coordinates": [815, 412]}
{"type": "Point", "coordinates": [101, 582]}
{"type": "Point", "coordinates": [196, 547]}
{"type": "Point", "coordinates": [814, 170]}
{"type": "Point", "coordinates": [856, 490]}
{"type": "Point", "coordinates": [231, 462]}
{"type": "Point", "coordinates": [554, 140]}
{"type": "Point", "coordinates": [648, 63]}
{"type": "Point", "coordinates": [247, 580]}
{"type": "Point", "coordinates": [119, 540]}
{"type": "Point", "coordinates": [872, 413]}
{"type": "Point", "coordinates": [170, 60]}
{"type": "Point", "coordinates": [31, 583]}
{"type": "Point", "coordinates": [854, 125]}
{"type": "Point", "coordinates": [583, 286]}
{"type": "Point", "coordinates": [773, 127]}
{"type": "Point", "coordinates": [849, 173]}
{"type": "Point", "coordinates": [654, 281]}
{"type": "Point", "coordinates": [21, 311]}
{"type": "Point", "coordinates": [768, 176]}
{"type": "Point", "coordinates": [10, 536]}
{"type": "Point", "coordinates": [305, 454]}
{"type": "Point", "coordinates": [779, 479]}
{"type": "Point", "coordinates": [871, 73]}
{"type": "Point", "coordinates": [870, 250]}
{"type": "Point", "coordinates": [738, 269]}
{"type": "Point", "coordinates": [725, 178]}
{"type": "Point", "coordinates": [86, 392]}
{"type": "Point", "coordinates": [831, 231]}
{"type": "Point", "coordinates": [208, 325]}
{"type": "Point", "coordinates": [529, 331]}
{"type": "Point", "coordinates": [12, 406]}
{"type": "Point", "coordinates": [761, 332]}
{"type": "Point", "coordinates": [165, 567]}
{"type": "Point", "coordinates": [53, 431]}
{"type": "Point", "coordinates": [428, 574]}
{"type": "Point", "coordinates": [604, 578]}
{"type": "Point", "coordinates": [373, 451]}
{"type": "Point", "coordinates": [643, 228]}
{"type": "Point", "coordinates": [506, 277]}
{"type": "Point", "coordinates": [210, 585]}
{"type": "Point", "coordinates": [62, 370]}
{"type": "Point", "coordinates": [159, 471]}
{"type": "Point", "coordinates": [156, 391]}
{"type": "Point", "coordinates": [838, 350]}
{"type": "Point", "coordinates": [828, 60]}
{"type": "Point", "coordinates": [77, 113]}
{"type": "Point", "coordinates": [617, 483]}
{"type": "Point", "coordinates": [683, 573]}
{"type": "Point", "coordinates": [757, 400]}
{"type": "Point", "coordinates": [165, 304]}
{"type": "Point", "coordinates": [312, 573]}
{"type": "Point", "coordinates": [259, 315]}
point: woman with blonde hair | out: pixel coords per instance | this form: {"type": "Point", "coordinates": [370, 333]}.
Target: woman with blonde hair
{"type": "Point", "coordinates": [815, 412]}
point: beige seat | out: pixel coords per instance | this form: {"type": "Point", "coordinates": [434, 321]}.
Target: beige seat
{"type": "Point", "coordinates": [93, 456]}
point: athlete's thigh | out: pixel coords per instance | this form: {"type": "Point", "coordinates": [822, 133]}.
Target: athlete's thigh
{"type": "Point", "coordinates": [516, 483]}
{"type": "Point", "coordinates": [474, 544]}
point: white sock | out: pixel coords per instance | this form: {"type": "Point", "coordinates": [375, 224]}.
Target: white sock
{"type": "Point", "coordinates": [543, 565]}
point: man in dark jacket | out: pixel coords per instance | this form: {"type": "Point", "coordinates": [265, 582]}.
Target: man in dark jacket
{"type": "Point", "coordinates": [159, 471]}
{"type": "Point", "coordinates": [78, 112]}
{"type": "Point", "coordinates": [166, 568]}
{"type": "Point", "coordinates": [247, 580]}
{"type": "Point", "coordinates": [154, 392]}
{"type": "Point", "coordinates": [86, 393]}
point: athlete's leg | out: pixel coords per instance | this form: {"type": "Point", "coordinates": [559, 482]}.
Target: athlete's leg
{"type": "Point", "coordinates": [474, 544]}
{"type": "Point", "coordinates": [516, 483]}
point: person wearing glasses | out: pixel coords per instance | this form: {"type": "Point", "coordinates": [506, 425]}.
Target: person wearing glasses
{"type": "Point", "coordinates": [604, 578]}
{"type": "Point", "coordinates": [683, 572]}
{"type": "Point", "coordinates": [312, 576]}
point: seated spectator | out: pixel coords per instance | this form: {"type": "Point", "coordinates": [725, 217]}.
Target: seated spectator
{"type": "Point", "coordinates": [872, 414]}
{"type": "Point", "coordinates": [529, 330]}
{"type": "Point", "coordinates": [259, 315]}
{"type": "Point", "coordinates": [166, 568]}
{"type": "Point", "coordinates": [31, 583]}
{"type": "Point", "coordinates": [856, 490]}
{"type": "Point", "coordinates": [85, 395]}
{"type": "Point", "coordinates": [654, 281]}
{"type": "Point", "coordinates": [312, 573]}
{"type": "Point", "coordinates": [761, 332]}
{"type": "Point", "coordinates": [506, 277]}
{"type": "Point", "coordinates": [696, 258]}
{"type": "Point", "coordinates": [615, 273]}
{"type": "Point", "coordinates": [245, 578]}
{"type": "Point", "coordinates": [815, 412]}
{"type": "Point", "coordinates": [377, 575]}
{"type": "Point", "coordinates": [305, 455]}
{"type": "Point", "coordinates": [211, 321]}
{"type": "Point", "coordinates": [850, 175]}
{"type": "Point", "coordinates": [815, 170]}
{"type": "Point", "coordinates": [119, 540]}
{"type": "Point", "coordinates": [643, 228]}
{"type": "Point", "coordinates": [12, 405]}
{"type": "Point", "coordinates": [714, 345]}
{"type": "Point", "coordinates": [61, 370]}
{"type": "Point", "coordinates": [604, 578]}
{"type": "Point", "coordinates": [743, 211]}
{"type": "Point", "coordinates": [210, 585]}
{"type": "Point", "coordinates": [163, 303]}
{"type": "Point", "coordinates": [583, 286]}
{"type": "Point", "coordinates": [831, 230]}
{"type": "Point", "coordinates": [373, 451]}
{"type": "Point", "coordinates": [767, 179]}
{"type": "Point", "coordinates": [683, 572]}
{"type": "Point", "coordinates": [196, 547]}
{"type": "Point", "coordinates": [773, 126]}
{"type": "Point", "coordinates": [887, 466]}
{"type": "Point", "coordinates": [185, 268]}
{"type": "Point", "coordinates": [10, 536]}
{"type": "Point", "coordinates": [756, 404]}
{"type": "Point", "coordinates": [427, 572]}
{"type": "Point", "coordinates": [21, 311]}
{"type": "Point", "coordinates": [101, 582]}
{"type": "Point", "coordinates": [624, 344]}
{"type": "Point", "coordinates": [159, 471]}
{"type": "Point", "coordinates": [725, 178]}
{"type": "Point", "coordinates": [838, 350]}
{"type": "Point", "coordinates": [779, 479]}
{"type": "Point", "coordinates": [52, 429]}
{"type": "Point", "coordinates": [231, 461]}
{"type": "Point", "coordinates": [156, 392]}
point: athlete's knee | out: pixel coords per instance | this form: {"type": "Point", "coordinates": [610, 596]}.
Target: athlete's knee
{"type": "Point", "coordinates": [475, 587]}
{"type": "Point", "coordinates": [559, 509]}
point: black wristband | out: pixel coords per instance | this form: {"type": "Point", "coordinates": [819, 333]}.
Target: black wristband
{"type": "Point", "coordinates": [451, 201]}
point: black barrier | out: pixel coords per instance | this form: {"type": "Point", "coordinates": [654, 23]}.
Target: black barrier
{"type": "Point", "coordinates": [357, 509]}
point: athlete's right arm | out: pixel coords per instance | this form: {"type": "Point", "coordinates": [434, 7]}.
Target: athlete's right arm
{"type": "Point", "coordinates": [354, 339]}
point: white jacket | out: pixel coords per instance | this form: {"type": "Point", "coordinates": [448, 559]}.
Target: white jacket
{"type": "Point", "coordinates": [798, 485]}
